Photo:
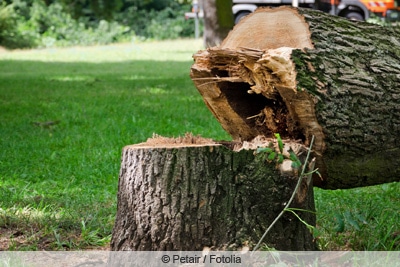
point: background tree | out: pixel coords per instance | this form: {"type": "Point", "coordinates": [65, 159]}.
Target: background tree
{"type": "Point", "coordinates": [44, 23]}
{"type": "Point", "coordinates": [218, 20]}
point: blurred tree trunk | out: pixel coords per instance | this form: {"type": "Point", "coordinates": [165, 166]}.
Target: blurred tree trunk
{"type": "Point", "coordinates": [218, 20]}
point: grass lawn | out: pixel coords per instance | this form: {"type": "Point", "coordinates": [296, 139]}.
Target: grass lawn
{"type": "Point", "coordinates": [65, 115]}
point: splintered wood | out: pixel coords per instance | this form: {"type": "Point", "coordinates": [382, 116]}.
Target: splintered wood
{"type": "Point", "coordinates": [251, 84]}
{"type": "Point", "coordinates": [182, 141]}
{"type": "Point", "coordinates": [263, 70]}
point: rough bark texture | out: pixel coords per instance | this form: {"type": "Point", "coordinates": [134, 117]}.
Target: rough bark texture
{"type": "Point", "coordinates": [301, 73]}
{"type": "Point", "coordinates": [191, 196]}
{"type": "Point", "coordinates": [218, 20]}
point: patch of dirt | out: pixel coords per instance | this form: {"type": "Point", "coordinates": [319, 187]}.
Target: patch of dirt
{"type": "Point", "coordinates": [15, 239]}
{"type": "Point", "coordinates": [10, 237]}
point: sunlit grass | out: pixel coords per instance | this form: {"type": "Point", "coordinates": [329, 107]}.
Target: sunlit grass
{"type": "Point", "coordinates": [176, 50]}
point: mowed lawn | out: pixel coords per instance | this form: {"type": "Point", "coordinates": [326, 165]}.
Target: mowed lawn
{"type": "Point", "coordinates": [66, 113]}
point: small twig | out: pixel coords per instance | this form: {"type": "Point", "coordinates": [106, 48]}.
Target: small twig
{"type": "Point", "coordinates": [217, 80]}
{"type": "Point", "coordinates": [291, 198]}
{"type": "Point", "coordinates": [254, 116]}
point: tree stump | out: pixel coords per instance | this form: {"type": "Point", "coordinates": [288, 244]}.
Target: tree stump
{"type": "Point", "coordinates": [304, 73]}
{"type": "Point", "coordinates": [190, 193]}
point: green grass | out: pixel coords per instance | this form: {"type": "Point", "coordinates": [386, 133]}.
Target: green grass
{"type": "Point", "coordinates": [365, 218]}
{"type": "Point", "coordinates": [58, 183]}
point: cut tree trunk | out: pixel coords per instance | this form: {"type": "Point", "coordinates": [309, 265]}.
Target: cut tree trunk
{"type": "Point", "coordinates": [191, 193]}
{"type": "Point", "coordinates": [304, 73]}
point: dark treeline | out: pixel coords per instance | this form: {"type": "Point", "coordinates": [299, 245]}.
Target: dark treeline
{"type": "Point", "coordinates": [43, 23]}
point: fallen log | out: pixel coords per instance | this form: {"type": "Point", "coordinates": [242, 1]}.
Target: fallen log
{"type": "Point", "coordinates": [304, 73]}
{"type": "Point", "coordinates": [192, 193]}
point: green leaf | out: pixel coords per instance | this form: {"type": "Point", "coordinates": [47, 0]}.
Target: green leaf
{"type": "Point", "coordinates": [292, 156]}
{"type": "Point", "coordinates": [280, 158]}
{"type": "Point", "coordinates": [271, 156]}
{"type": "Point", "coordinates": [351, 221]}
{"type": "Point", "coordinates": [280, 143]}
{"type": "Point", "coordinates": [339, 223]}
{"type": "Point", "coordinates": [264, 149]}
{"type": "Point", "coordinates": [296, 163]}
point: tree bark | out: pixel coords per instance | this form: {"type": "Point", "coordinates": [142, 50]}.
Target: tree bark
{"type": "Point", "coordinates": [304, 73]}
{"type": "Point", "coordinates": [192, 193]}
{"type": "Point", "coordinates": [218, 20]}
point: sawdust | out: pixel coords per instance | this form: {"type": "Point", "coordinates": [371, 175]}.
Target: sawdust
{"type": "Point", "coordinates": [182, 141]}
